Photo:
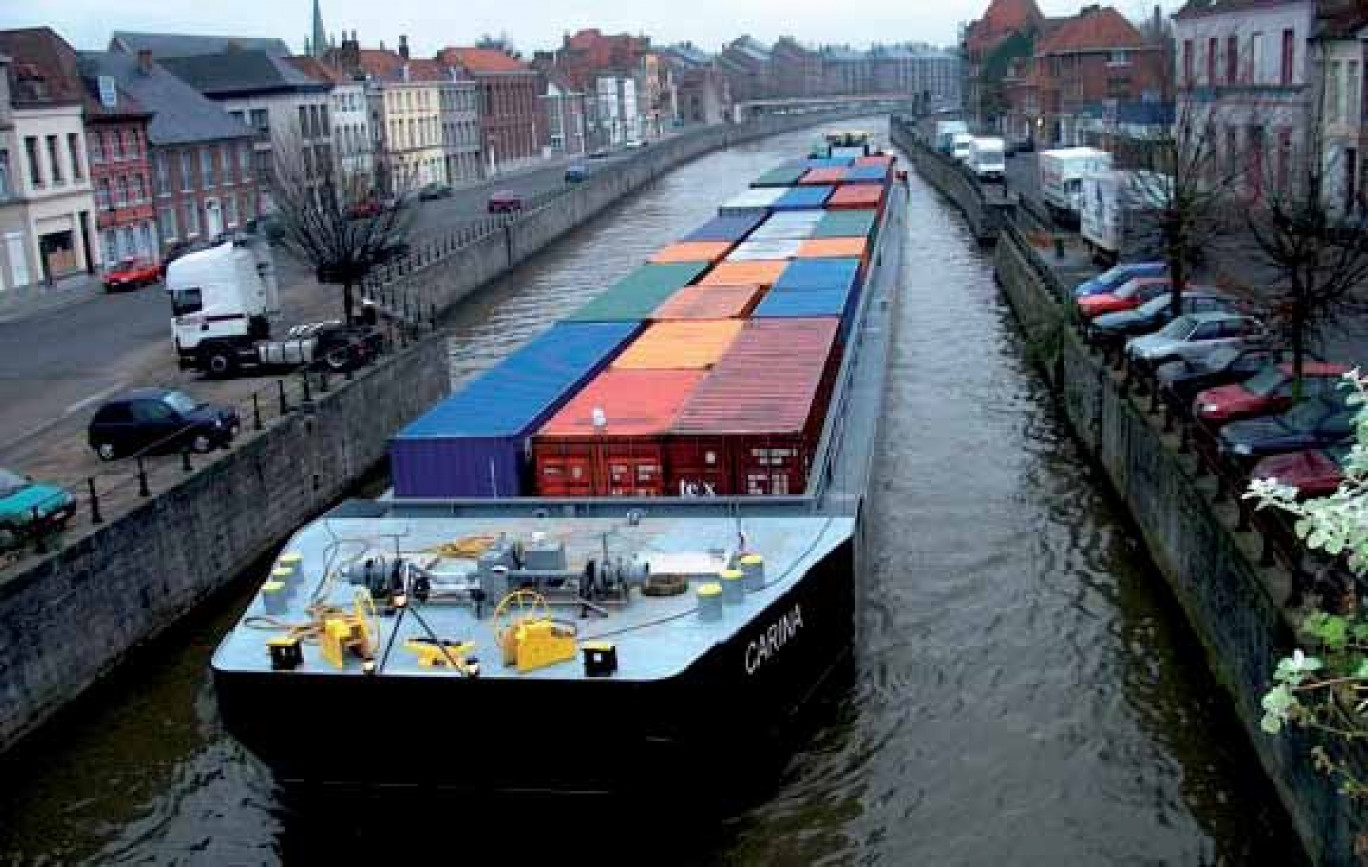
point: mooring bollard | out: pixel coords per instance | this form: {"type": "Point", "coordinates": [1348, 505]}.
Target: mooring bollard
{"type": "Point", "coordinates": [284, 403]}
{"type": "Point", "coordinates": [95, 516]}
{"type": "Point", "coordinates": [256, 411]}
{"type": "Point", "coordinates": [308, 396]}
{"type": "Point", "coordinates": [185, 461]}
{"type": "Point", "coordinates": [143, 490]}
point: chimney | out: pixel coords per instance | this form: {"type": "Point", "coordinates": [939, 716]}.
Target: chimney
{"type": "Point", "coordinates": [145, 61]}
{"type": "Point", "coordinates": [403, 47]}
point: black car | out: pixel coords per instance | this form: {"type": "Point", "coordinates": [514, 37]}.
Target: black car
{"type": "Point", "coordinates": [159, 421]}
{"type": "Point", "coordinates": [1181, 381]}
{"type": "Point", "coordinates": [432, 192]}
{"type": "Point", "coordinates": [1112, 329]}
{"type": "Point", "coordinates": [1311, 424]}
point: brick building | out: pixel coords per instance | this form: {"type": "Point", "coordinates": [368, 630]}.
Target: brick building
{"type": "Point", "coordinates": [204, 178]}
{"type": "Point", "coordinates": [405, 98]}
{"type": "Point", "coordinates": [746, 65]}
{"type": "Point", "coordinates": [797, 69]}
{"type": "Point", "coordinates": [120, 169]}
{"type": "Point", "coordinates": [512, 124]}
{"type": "Point", "coordinates": [1006, 33]}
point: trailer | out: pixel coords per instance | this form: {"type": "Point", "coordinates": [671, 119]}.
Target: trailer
{"type": "Point", "coordinates": [1061, 179]}
{"type": "Point", "coordinates": [946, 130]}
{"type": "Point", "coordinates": [223, 301]}
{"type": "Point", "coordinates": [1117, 212]}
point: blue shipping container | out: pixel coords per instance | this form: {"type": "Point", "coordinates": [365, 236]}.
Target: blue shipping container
{"type": "Point", "coordinates": [803, 198]}
{"type": "Point", "coordinates": [833, 273]}
{"type": "Point", "coordinates": [868, 174]}
{"type": "Point", "coordinates": [830, 162]}
{"type": "Point", "coordinates": [474, 443]}
{"type": "Point", "coordinates": [807, 303]}
{"type": "Point", "coordinates": [726, 228]}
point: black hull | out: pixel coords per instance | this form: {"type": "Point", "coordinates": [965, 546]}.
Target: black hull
{"type": "Point", "coordinates": [730, 707]}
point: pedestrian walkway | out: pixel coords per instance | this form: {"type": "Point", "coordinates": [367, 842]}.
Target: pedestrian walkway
{"type": "Point", "coordinates": [26, 302]}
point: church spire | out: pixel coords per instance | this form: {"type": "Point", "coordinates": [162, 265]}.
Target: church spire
{"type": "Point", "coordinates": [319, 42]}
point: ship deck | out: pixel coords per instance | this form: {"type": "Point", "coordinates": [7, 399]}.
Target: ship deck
{"type": "Point", "coordinates": [656, 637]}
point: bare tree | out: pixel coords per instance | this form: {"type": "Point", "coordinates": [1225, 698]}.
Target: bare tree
{"type": "Point", "coordinates": [334, 219]}
{"type": "Point", "coordinates": [1315, 262]}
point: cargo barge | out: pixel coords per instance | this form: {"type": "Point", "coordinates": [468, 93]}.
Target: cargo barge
{"type": "Point", "coordinates": [644, 529]}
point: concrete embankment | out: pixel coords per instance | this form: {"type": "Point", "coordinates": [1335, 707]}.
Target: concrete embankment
{"type": "Point", "coordinates": [68, 618]}
{"type": "Point", "coordinates": [1235, 606]}
{"type": "Point", "coordinates": [436, 287]}
{"type": "Point", "coordinates": [985, 211]}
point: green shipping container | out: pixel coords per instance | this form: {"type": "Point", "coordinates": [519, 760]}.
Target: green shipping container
{"type": "Point", "coordinates": [845, 224]}
{"type": "Point", "coordinates": [781, 176]}
{"type": "Point", "coordinates": [636, 296]}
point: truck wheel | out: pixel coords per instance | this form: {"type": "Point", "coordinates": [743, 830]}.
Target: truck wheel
{"type": "Point", "coordinates": [106, 451]}
{"type": "Point", "coordinates": [220, 362]}
{"type": "Point", "coordinates": [201, 444]}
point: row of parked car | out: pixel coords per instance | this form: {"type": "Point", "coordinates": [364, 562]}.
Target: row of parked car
{"type": "Point", "coordinates": [1216, 364]}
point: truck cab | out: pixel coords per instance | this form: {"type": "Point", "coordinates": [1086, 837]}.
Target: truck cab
{"type": "Point", "coordinates": [988, 158]}
{"type": "Point", "coordinates": [222, 300]}
{"type": "Point", "coordinates": [960, 146]}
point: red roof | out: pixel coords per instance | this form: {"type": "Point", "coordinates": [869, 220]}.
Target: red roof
{"type": "Point", "coordinates": [317, 69]}
{"type": "Point", "coordinates": [1093, 30]}
{"type": "Point", "coordinates": [1002, 19]}
{"type": "Point", "coordinates": [481, 60]}
{"type": "Point", "coordinates": [381, 62]}
{"type": "Point", "coordinates": [44, 69]}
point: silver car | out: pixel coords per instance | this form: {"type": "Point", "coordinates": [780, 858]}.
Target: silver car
{"type": "Point", "coordinates": [1193, 337]}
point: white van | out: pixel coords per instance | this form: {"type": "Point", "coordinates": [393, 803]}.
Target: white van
{"type": "Point", "coordinates": [988, 158]}
{"type": "Point", "coordinates": [960, 150]}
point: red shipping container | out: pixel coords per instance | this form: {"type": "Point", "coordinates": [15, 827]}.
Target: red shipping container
{"type": "Point", "coordinates": [709, 302]}
{"type": "Point", "coordinates": [822, 177]}
{"type": "Point", "coordinates": [857, 196]}
{"type": "Point", "coordinates": [626, 457]}
{"type": "Point", "coordinates": [881, 160]}
{"type": "Point", "coordinates": [752, 426]}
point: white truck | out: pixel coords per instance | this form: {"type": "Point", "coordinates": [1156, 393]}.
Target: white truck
{"type": "Point", "coordinates": [960, 147]}
{"type": "Point", "coordinates": [222, 302]}
{"type": "Point", "coordinates": [1061, 178]}
{"type": "Point", "coordinates": [946, 130]}
{"type": "Point", "coordinates": [1118, 212]}
{"type": "Point", "coordinates": [988, 158]}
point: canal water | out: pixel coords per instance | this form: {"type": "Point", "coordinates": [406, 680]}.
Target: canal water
{"type": "Point", "coordinates": [1024, 691]}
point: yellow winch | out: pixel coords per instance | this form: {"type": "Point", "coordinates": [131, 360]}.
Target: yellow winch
{"type": "Point", "coordinates": [527, 635]}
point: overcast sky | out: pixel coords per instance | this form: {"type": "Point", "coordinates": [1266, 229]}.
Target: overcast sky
{"type": "Point", "coordinates": [531, 24]}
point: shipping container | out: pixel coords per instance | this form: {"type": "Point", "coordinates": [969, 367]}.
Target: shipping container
{"type": "Point", "coordinates": [695, 345]}
{"type": "Point", "coordinates": [788, 225]}
{"type": "Point", "coordinates": [637, 295]}
{"type": "Point", "coordinates": [757, 200]}
{"type": "Point", "coordinates": [755, 273]}
{"type": "Point", "coordinates": [869, 175]}
{"type": "Point", "coordinates": [733, 228]}
{"type": "Point", "coordinates": [610, 439]}
{"type": "Point", "coordinates": [880, 160]}
{"type": "Point", "coordinates": [749, 251]}
{"type": "Point", "coordinates": [752, 426]}
{"type": "Point", "coordinates": [802, 198]}
{"type": "Point", "coordinates": [709, 302]}
{"type": "Point", "coordinates": [849, 152]}
{"type": "Point", "coordinates": [782, 303]}
{"type": "Point", "coordinates": [691, 251]}
{"type": "Point", "coordinates": [785, 175]}
{"type": "Point", "coordinates": [853, 223]}
{"type": "Point", "coordinates": [829, 162]}
{"type": "Point", "coordinates": [823, 248]}
{"type": "Point", "coordinates": [857, 196]}
{"type": "Point", "coordinates": [829, 177]}
{"type": "Point", "coordinates": [830, 273]}
{"type": "Point", "coordinates": [474, 443]}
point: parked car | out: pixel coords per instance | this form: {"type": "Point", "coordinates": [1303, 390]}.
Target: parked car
{"type": "Point", "coordinates": [1314, 473]}
{"type": "Point", "coordinates": [600, 154]}
{"type": "Point", "coordinates": [1311, 424]}
{"type": "Point", "coordinates": [366, 208]}
{"type": "Point", "coordinates": [1181, 381]}
{"type": "Point", "coordinates": [434, 191]}
{"type": "Point", "coordinates": [633, 144]}
{"type": "Point", "coordinates": [159, 421]}
{"type": "Point", "coordinates": [1112, 329]}
{"type": "Point", "coordinates": [1267, 393]}
{"type": "Point", "coordinates": [28, 508]}
{"type": "Point", "coordinates": [131, 273]}
{"type": "Point", "coordinates": [1116, 277]}
{"type": "Point", "coordinates": [505, 201]}
{"type": "Point", "coordinates": [576, 173]}
{"type": "Point", "coordinates": [1131, 295]}
{"type": "Point", "coordinates": [1192, 336]}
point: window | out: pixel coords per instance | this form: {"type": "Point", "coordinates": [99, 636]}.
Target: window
{"type": "Point", "coordinates": [244, 161]}
{"type": "Point", "coordinates": [226, 162]}
{"type": "Point", "coordinates": [1333, 106]}
{"type": "Point", "coordinates": [230, 211]}
{"type": "Point", "coordinates": [1232, 59]}
{"type": "Point", "coordinates": [122, 189]}
{"type": "Point", "coordinates": [1289, 54]}
{"type": "Point", "coordinates": [261, 121]}
{"type": "Point", "coordinates": [109, 240]}
{"type": "Point", "coordinates": [239, 116]}
{"type": "Point", "coordinates": [148, 248]}
{"type": "Point", "coordinates": [191, 219]}
{"type": "Point", "coordinates": [103, 200]}
{"type": "Point", "coordinates": [187, 168]}
{"type": "Point", "coordinates": [304, 122]}
{"type": "Point", "coordinates": [166, 221]}
{"type": "Point", "coordinates": [248, 212]}
{"type": "Point", "coordinates": [139, 191]}
{"type": "Point", "coordinates": [74, 145]}
{"type": "Point", "coordinates": [4, 174]}
{"type": "Point", "coordinates": [115, 147]}
{"type": "Point", "coordinates": [1351, 90]}
{"type": "Point", "coordinates": [130, 144]}
{"type": "Point", "coordinates": [54, 159]}
{"type": "Point", "coordinates": [163, 170]}
{"type": "Point", "coordinates": [1284, 157]}
{"type": "Point", "coordinates": [1212, 47]}
{"type": "Point", "coordinates": [323, 120]}
{"type": "Point", "coordinates": [207, 166]}
{"type": "Point", "coordinates": [96, 148]}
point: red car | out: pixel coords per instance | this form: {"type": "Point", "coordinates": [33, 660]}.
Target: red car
{"type": "Point", "coordinates": [368, 208]}
{"type": "Point", "coordinates": [1316, 473]}
{"type": "Point", "coordinates": [1268, 393]}
{"type": "Point", "coordinates": [1130, 296]}
{"type": "Point", "coordinates": [130, 274]}
{"type": "Point", "coordinates": [505, 201]}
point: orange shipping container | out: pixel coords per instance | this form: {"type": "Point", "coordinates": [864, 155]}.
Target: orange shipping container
{"type": "Point", "coordinates": [823, 248]}
{"type": "Point", "coordinates": [710, 302]}
{"type": "Point", "coordinates": [857, 196]}
{"type": "Point", "coordinates": [691, 251]}
{"type": "Point", "coordinates": [625, 457]}
{"type": "Point", "coordinates": [692, 345]}
{"type": "Point", "coordinates": [757, 272]}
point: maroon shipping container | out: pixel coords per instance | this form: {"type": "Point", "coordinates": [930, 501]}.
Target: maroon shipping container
{"type": "Point", "coordinates": [752, 426]}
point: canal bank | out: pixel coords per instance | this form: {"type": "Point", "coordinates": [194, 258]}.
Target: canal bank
{"type": "Point", "coordinates": [67, 618]}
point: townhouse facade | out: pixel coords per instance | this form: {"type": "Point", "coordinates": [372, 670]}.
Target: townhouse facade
{"type": "Point", "coordinates": [50, 221]}
{"type": "Point", "coordinates": [512, 125]}
{"type": "Point", "coordinates": [458, 106]}
{"type": "Point", "coordinates": [566, 119]}
{"type": "Point", "coordinates": [204, 175]}
{"type": "Point", "coordinates": [1341, 65]}
{"type": "Point", "coordinates": [352, 141]}
{"type": "Point", "coordinates": [120, 170]}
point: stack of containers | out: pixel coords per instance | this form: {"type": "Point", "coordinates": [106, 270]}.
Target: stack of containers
{"type": "Point", "coordinates": [814, 287]}
{"type": "Point", "coordinates": [788, 225]}
{"type": "Point", "coordinates": [734, 228]}
{"type": "Point", "coordinates": [765, 249]}
{"type": "Point", "coordinates": [756, 201]}
{"type": "Point", "coordinates": [824, 176]}
{"type": "Point", "coordinates": [752, 426]}
{"type": "Point", "coordinates": [802, 198]}
{"type": "Point", "coordinates": [762, 273]}
{"type": "Point", "coordinates": [691, 251]}
{"type": "Point", "coordinates": [474, 443]}
{"type": "Point", "coordinates": [709, 302]}
{"type": "Point", "coordinates": [610, 440]}
{"type": "Point", "coordinates": [633, 298]}
{"type": "Point", "coordinates": [781, 176]}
